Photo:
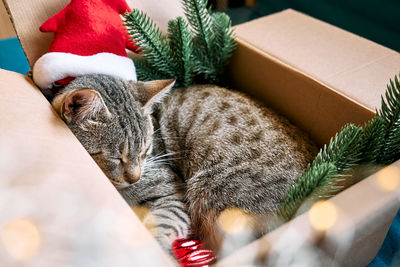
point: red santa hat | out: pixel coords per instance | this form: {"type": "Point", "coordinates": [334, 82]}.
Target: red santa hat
{"type": "Point", "coordinates": [89, 38]}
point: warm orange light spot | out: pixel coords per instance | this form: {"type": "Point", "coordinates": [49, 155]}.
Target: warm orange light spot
{"type": "Point", "coordinates": [21, 238]}
{"type": "Point", "coordinates": [389, 178]}
{"type": "Point", "coordinates": [322, 215]}
{"type": "Point", "coordinates": [146, 218]}
{"type": "Point", "coordinates": [233, 220]}
{"type": "Point", "coordinates": [140, 211]}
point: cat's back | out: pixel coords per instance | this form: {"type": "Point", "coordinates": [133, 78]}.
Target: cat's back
{"type": "Point", "coordinates": [225, 135]}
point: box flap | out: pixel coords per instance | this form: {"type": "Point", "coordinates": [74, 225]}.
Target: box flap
{"type": "Point", "coordinates": [52, 185]}
{"type": "Point", "coordinates": [361, 216]}
{"type": "Point", "coordinates": [347, 63]}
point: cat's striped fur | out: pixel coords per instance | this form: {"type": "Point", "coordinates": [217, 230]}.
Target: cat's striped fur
{"type": "Point", "coordinates": [211, 149]}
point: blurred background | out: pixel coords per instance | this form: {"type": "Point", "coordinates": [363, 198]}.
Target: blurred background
{"type": "Point", "coordinates": [378, 21]}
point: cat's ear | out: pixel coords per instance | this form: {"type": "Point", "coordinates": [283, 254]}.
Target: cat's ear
{"type": "Point", "coordinates": [83, 105]}
{"type": "Point", "coordinates": [153, 92]}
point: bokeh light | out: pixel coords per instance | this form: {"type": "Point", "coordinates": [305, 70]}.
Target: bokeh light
{"type": "Point", "coordinates": [146, 217]}
{"type": "Point", "coordinates": [233, 220]}
{"type": "Point", "coordinates": [21, 238]}
{"type": "Point", "coordinates": [322, 215]}
{"type": "Point", "coordinates": [389, 178]}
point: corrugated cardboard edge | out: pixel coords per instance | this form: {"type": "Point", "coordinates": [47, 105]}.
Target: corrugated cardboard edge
{"type": "Point", "coordinates": [353, 240]}
{"type": "Point", "coordinates": [12, 22]}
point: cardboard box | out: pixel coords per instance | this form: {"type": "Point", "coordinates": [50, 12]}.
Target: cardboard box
{"type": "Point", "coordinates": [317, 75]}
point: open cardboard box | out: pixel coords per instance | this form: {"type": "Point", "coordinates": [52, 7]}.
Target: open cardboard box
{"type": "Point", "coordinates": [317, 75]}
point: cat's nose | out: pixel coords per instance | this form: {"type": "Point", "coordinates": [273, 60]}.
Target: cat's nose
{"type": "Point", "coordinates": [132, 176]}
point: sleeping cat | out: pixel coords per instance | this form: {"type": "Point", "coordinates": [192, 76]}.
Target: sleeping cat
{"type": "Point", "coordinates": [187, 153]}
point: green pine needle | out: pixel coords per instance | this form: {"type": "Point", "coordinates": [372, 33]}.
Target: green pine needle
{"type": "Point", "coordinates": [146, 72]}
{"type": "Point", "coordinates": [200, 21]}
{"type": "Point", "coordinates": [334, 167]}
{"type": "Point", "coordinates": [390, 112]}
{"type": "Point", "coordinates": [181, 42]}
{"type": "Point", "coordinates": [344, 150]}
{"type": "Point", "coordinates": [311, 179]}
{"type": "Point", "coordinates": [152, 42]}
{"type": "Point", "coordinates": [374, 138]}
{"type": "Point", "coordinates": [196, 50]}
{"type": "Point", "coordinates": [224, 39]}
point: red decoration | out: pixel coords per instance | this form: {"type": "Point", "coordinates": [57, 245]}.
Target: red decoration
{"type": "Point", "coordinates": [190, 253]}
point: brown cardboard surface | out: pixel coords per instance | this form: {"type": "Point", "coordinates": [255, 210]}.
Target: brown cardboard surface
{"type": "Point", "coordinates": [6, 27]}
{"type": "Point", "coordinates": [351, 65]}
{"type": "Point", "coordinates": [27, 16]}
{"type": "Point", "coordinates": [309, 104]}
{"type": "Point", "coordinates": [49, 180]}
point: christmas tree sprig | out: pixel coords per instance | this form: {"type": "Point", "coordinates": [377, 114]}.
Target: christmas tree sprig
{"type": "Point", "coordinates": [195, 50]}
{"type": "Point", "coordinates": [377, 143]}
{"type": "Point", "coordinates": [152, 42]}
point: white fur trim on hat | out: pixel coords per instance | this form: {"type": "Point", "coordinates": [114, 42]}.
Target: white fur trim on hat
{"type": "Point", "coordinates": [54, 66]}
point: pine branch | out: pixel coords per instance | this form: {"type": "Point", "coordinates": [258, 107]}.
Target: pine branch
{"type": "Point", "coordinates": [344, 150]}
{"type": "Point", "coordinates": [224, 40]}
{"type": "Point", "coordinates": [374, 138]}
{"type": "Point", "coordinates": [312, 178]}
{"type": "Point", "coordinates": [198, 53]}
{"type": "Point", "coordinates": [390, 112]}
{"type": "Point", "coordinates": [146, 72]}
{"type": "Point", "coordinates": [200, 21]}
{"type": "Point", "coordinates": [378, 143]}
{"type": "Point", "coordinates": [152, 42]}
{"type": "Point", "coordinates": [181, 43]}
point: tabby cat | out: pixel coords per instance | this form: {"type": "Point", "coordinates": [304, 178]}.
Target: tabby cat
{"type": "Point", "coordinates": [187, 153]}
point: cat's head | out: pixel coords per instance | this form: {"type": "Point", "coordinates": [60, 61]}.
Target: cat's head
{"type": "Point", "coordinates": [111, 118]}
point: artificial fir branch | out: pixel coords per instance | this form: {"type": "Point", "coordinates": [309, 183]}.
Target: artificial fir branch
{"type": "Point", "coordinates": [344, 150]}
{"type": "Point", "coordinates": [151, 41]}
{"type": "Point", "coordinates": [342, 153]}
{"type": "Point", "coordinates": [225, 42]}
{"type": "Point", "coordinates": [194, 52]}
{"type": "Point", "coordinates": [311, 179]}
{"type": "Point", "coordinates": [390, 112]}
{"type": "Point", "coordinates": [374, 137]}
{"type": "Point", "coordinates": [378, 143]}
{"type": "Point", "coordinates": [181, 42]}
{"type": "Point", "coordinates": [146, 71]}
{"type": "Point", "coordinates": [200, 21]}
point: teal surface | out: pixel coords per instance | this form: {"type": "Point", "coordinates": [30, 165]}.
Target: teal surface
{"type": "Point", "coordinates": [12, 56]}
{"type": "Point", "coordinates": [375, 20]}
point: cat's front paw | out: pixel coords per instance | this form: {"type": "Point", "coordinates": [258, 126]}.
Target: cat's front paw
{"type": "Point", "coordinates": [166, 235]}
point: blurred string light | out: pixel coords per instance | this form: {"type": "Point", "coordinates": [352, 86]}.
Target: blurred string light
{"type": "Point", "coordinates": [389, 178]}
{"type": "Point", "coordinates": [322, 215]}
{"type": "Point", "coordinates": [146, 217]}
{"type": "Point", "coordinates": [21, 239]}
{"type": "Point", "coordinates": [233, 220]}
